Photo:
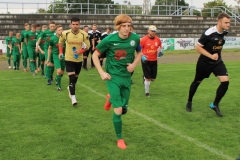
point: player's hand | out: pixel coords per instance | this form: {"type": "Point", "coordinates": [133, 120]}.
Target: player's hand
{"type": "Point", "coordinates": [36, 49]}
{"type": "Point", "coordinates": [60, 56]}
{"type": "Point", "coordinates": [42, 52]}
{"type": "Point", "coordinates": [130, 67]}
{"type": "Point", "coordinates": [105, 76]}
{"type": "Point", "coordinates": [93, 48]}
{"type": "Point", "coordinates": [214, 56]}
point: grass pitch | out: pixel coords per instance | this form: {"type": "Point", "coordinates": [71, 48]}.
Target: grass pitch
{"type": "Point", "coordinates": [39, 122]}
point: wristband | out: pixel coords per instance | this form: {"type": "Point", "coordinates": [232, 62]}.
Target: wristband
{"type": "Point", "coordinates": [60, 50]}
{"type": "Point", "coordinates": [81, 51]}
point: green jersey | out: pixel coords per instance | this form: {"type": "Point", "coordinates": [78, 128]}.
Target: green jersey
{"type": "Point", "coordinates": [16, 46]}
{"type": "Point", "coordinates": [119, 52]}
{"type": "Point", "coordinates": [23, 35]}
{"type": "Point", "coordinates": [31, 38]}
{"type": "Point", "coordinates": [8, 41]}
{"type": "Point", "coordinates": [54, 44]}
{"type": "Point", "coordinates": [46, 35]}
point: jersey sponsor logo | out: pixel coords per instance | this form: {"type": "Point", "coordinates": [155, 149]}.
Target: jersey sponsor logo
{"type": "Point", "coordinates": [75, 43]}
{"type": "Point", "coordinates": [132, 42]}
{"type": "Point", "coordinates": [217, 47]}
{"type": "Point", "coordinates": [120, 54]}
{"type": "Point", "coordinates": [32, 38]}
{"type": "Point", "coordinates": [151, 51]}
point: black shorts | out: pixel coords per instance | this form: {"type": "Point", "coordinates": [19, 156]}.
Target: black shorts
{"type": "Point", "coordinates": [73, 67]}
{"type": "Point", "coordinates": [150, 69]}
{"type": "Point", "coordinates": [204, 70]}
{"type": "Point", "coordinates": [86, 53]}
{"type": "Point", "coordinates": [103, 55]}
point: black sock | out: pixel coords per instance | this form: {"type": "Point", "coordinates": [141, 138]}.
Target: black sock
{"type": "Point", "coordinates": [85, 63]}
{"type": "Point", "coordinates": [101, 62]}
{"type": "Point", "coordinates": [72, 84]}
{"type": "Point", "coordinates": [76, 78]}
{"type": "Point", "coordinates": [92, 64]}
{"type": "Point", "coordinates": [222, 89]}
{"type": "Point", "coordinates": [192, 90]}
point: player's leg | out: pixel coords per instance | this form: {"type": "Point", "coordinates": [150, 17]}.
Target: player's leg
{"type": "Point", "coordinates": [221, 72]}
{"type": "Point", "coordinates": [42, 59]}
{"type": "Point", "coordinates": [46, 62]}
{"type": "Point", "coordinates": [8, 58]}
{"type": "Point", "coordinates": [85, 57]}
{"type": "Point", "coordinates": [117, 103]}
{"type": "Point", "coordinates": [18, 61]}
{"type": "Point", "coordinates": [147, 77]}
{"type": "Point", "coordinates": [203, 70]}
{"type": "Point", "coordinates": [57, 64]}
{"type": "Point", "coordinates": [92, 64]}
{"type": "Point", "coordinates": [50, 69]}
{"type": "Point", "coordinates": [24, 57]}
{"type": "Point", "coordinates": [101, 57]}
{"type": "Point", "coordinates": [31, 53]}
{"type": "Point", "coordinates": [14, 60]}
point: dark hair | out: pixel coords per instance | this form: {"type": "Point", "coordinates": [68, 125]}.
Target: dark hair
{"type": "Point", "coordinates": [51, 22]}
{"type": "Point", "coordinates": [85, 26]}
{"type": "Point", "coordinates": [222, 15]}
{"type": "Point", "coordinates": [38, 25]}
{"type": "Point", "coordinates": [109, 28]}
{"type": "Point", "coordinates": [75, 19]}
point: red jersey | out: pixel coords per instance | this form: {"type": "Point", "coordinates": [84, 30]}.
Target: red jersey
{"type": "Point", "coordinates": [150, 47]}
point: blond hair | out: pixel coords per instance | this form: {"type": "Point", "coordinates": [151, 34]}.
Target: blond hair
{"type": "Point", "coordinates": [122, 18]}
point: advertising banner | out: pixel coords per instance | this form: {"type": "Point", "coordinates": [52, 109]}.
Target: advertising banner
{"type": "Point", "coordinates": [184, 43]}
{"type": "Point", "coordinates": [232, 42]}
{"type": "Point", "coordinates": [168, 43]}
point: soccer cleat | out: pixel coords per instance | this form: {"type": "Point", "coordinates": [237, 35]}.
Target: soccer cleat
{"type": "Point", "coordinates": [147, 94]}
{"type": "Point", "coordinates": [121, 144]}
{"type": "Point", "coordinates": [9, 67]}
{"type": "Point", "coordinates": [69, 94]}
{"type": "Point", "coordinates": [107, 104]}
{"type": "Point", "coordinates": [189, 107]}
{"type": "Point", "coordinates": [49, 82]}
{"type": "Point", "coordinates": [74, 101]}
{"type": "Point", "coordinates": [25, 70]}
{"type": "Point", "coordinates": [59, 89]}
{"type": "Point", "coordinates": [216, 109]}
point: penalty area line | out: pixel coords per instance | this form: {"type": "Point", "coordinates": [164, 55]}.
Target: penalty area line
{"type": "Point", "coordinates": [159, 124]}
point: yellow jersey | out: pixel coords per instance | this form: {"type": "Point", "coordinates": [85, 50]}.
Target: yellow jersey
{"type": "Point", "coordinates": [74, 42]}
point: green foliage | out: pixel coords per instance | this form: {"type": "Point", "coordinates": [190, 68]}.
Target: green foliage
{"type": "Point", "coordinates": [209, 11]}
{"type": "Point", "coordinates": [168, 7]}
{"type": "Point", "coordinates": [41, 10]}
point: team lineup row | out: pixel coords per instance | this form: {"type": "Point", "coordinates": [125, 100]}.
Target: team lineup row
{"type": "Point", "coordinates": [123, 51]}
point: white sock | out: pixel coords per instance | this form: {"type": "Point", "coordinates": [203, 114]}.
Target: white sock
{"type": "Point", "coordinates": [147, 85]}
{"type": "Point", "coordinates": [73, 97]}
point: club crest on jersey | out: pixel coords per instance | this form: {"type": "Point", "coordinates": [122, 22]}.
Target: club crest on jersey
{"type": "Point", "coordinates": [220, 42]}
{"type": "Point", "coordinates": [132, 42]}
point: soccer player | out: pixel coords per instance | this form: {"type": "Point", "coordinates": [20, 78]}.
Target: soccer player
{"type": "Point", "coordinates": [94, 38]}
{"type": "Point", "coordinates": [24, 46]}
{"type": "Point", "coordinates": [104, 35]}
{"type": "Point", "coordinates": [9, 48]}
{"type": "Point", "coordinates": [41, 49]}
{"type": "Point", "coordinates": [77, 43]}
{"type": "Point", "coordinates": [210, 61]}
{"type": "Point", "coordinates": [30, 40]}
{"type": "Point", "coordinates": [16, 51]}
{"type": "Point", "coordinates": [38, 30]}
{"type": "Point", "coordinates": [121, 62]}
{"type": "Point", "coordinates": [150, 45]}
{"type": "Point", "coordinates": [85, 54]}
{"type": "Point", "coordinates": [59, 62]}
{"type": "Point", "coordinates": [46, 35]}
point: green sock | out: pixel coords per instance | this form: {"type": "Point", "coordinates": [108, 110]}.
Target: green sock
{"type": "Point", "coordinates": [42, 67]}
{"type": "Point", "coordinates": [15, 64]}
{"type": "Point", "coordinates": [58, 79]}
{"type": "Point", "coordinates": [48, 72]}
{"type": "Point", "coordinates": [18, 64]}
{"type": "Point", "coordinates": [117, 123]}
{"type": "Point", "coordinates": [9, 62]}
{"type": "Point", "coordinates": [52, 70]}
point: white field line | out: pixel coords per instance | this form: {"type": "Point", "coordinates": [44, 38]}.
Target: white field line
{"type": "Point", "coordinates": [190, 139]}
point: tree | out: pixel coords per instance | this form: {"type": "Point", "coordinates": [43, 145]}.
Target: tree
{"type": "Point", "coordinates": [41, 10]}
{"type": "Point", "coordinates": [213, 8]}
{"type": "Point", "coordinates": [168, 7]}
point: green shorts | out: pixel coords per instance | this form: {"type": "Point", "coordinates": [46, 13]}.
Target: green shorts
{"type": "Point", "coordinates": [8, 53]}
{"type": "Point", "coordinates": [41, 57]}
{"type": "Point", "coordinates": [119, 89]}
{"type": "Point", "coordinates": [24, 51]}
{"type": "Point", "coordinates": [31, 52]}
{"type": "Point", "coordinates": [58, 63]}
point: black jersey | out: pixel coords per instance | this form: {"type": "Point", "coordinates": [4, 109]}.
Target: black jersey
{"type": "Point", "coordinates": [212, 41]}
{"type": "Point", "coordinates": [94, 35]}
{"type": "Point", "coordinates": [103, 35]}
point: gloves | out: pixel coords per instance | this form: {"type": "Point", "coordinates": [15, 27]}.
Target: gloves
{"type": "Point", "coordinates": [160, 53]}
{"type": "Point", "coordinates": [144, 59]}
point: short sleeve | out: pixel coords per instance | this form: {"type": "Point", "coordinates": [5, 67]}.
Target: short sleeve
{"type": "Point", "coordinates": [62, 38]}
{"type": "Point", "coordinates": [203, 39]}
{"type": "Point", "coordinates": [103, 45]}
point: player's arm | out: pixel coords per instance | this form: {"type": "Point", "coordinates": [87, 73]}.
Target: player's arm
{"type": "Point", "coordinates": [60, 45]}
{"type": "Point", "coordinates": [138, 57]}
{"type": "Point", "coordinates": [19, 48]}
{"type": "Point", "coordinates": [26, 39]}
{"type": "Point", "coordinates": [93, 44]}
{"type": "Point", "coordinates": [49, 53]}
{"type": "Point", "coordinates": [199, 48]}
